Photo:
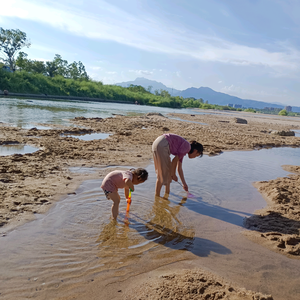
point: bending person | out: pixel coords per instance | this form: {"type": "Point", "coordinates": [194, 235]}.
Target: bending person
{"type": "Point", "coordinates": [165, 169]}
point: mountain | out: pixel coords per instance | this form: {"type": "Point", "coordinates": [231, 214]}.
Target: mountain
{"type": "Point", "coordinates": [205, 93]}
{"type": "Point", "coordinates": [144, 82]}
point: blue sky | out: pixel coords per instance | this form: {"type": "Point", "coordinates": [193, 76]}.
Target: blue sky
{"type": "Point", "coordinates": [246, 48]}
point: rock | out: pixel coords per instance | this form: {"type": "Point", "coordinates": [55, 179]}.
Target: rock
{"type": "Point", "coordinates": [238, 120]}
{"type": "Point", "coordinates": [154, 114]}
{"type": "Point", "coordinates": [283, 132]}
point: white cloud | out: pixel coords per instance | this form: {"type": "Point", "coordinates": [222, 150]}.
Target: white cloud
{"type": "Point", "coordinates": [141, 72]}
{"type": "Point", "coordinates": [220, 81]}
{"type": "Point", "coordinates": [111, 72]}
{"type": "Point", "coordinates": [108, 22]}
{"type": "Point", "coordinates": [252, 93]}
{"type": "Point", "coordinates": [95, 68]}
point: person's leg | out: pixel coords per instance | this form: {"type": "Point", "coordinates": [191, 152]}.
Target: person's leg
{"type": "Point", "coordinates": [158, 187]}
{"type": "Point", "coordinates": [115, 197]}
{"type": "Point", "coordinates": [167, 191]}
{"type": "Point", "coordinates": [162, 164]}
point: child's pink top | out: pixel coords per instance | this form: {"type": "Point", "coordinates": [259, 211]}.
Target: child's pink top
{"type": "Point", "coordinates": [178, 145]}
{"type": "Point", "coordinates": [115, 180]}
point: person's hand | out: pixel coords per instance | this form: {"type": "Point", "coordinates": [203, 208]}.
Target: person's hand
{"type": "Point", "coordinates": [185, 187]}
{"type": "Point", "coordinates": [174, 177]}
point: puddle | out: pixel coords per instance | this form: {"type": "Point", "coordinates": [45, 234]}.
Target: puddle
{"type": "Point", "coordinates": [76, 241]}
{"type": "Point", "coordinates": [297, 133]}
{"type": "Point", "coordinates": [83, 170]}
{"type": "Point", "coordinates": [88, 136]}
{"type": "Point", "coordinates": [16, 149]}
{"type": "Point", "coordinates": [189, 121]}
{"type": "Point", "coordinates": [39, 127]}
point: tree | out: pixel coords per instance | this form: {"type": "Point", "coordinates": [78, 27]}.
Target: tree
{"type": "Point", "coordinates": [56, 67]}
{"type": "Point", "coordinates": [164, 93]}
{"type": "Point", "coordinates": [77, 71]}
{"type": "Point", "coordinates": [22, 62]}
{"type": "Point", "coordinates": [38, 66]}
{"type": "Point", "coordinates": [11, 42]}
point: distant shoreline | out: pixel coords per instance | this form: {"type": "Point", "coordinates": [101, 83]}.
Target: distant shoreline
{"type": "Point", "coordinates": [50, 97]}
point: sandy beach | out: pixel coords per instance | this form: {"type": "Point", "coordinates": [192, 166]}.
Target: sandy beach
{"type": "Point", "coordinates": [32, 183]}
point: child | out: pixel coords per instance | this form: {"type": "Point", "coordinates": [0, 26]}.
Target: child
{"type": "Point", "coordinates": [121, 180]}
{"type": "Point", "coordinates": [162, 147]}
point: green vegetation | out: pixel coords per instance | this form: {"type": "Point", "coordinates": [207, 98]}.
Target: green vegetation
{"type": "Point", "coordinates": [35, 83]}
{"type": "Point", "coordinates": [250, 110]}
{"type": "Point", "coordinates": [283, 112]}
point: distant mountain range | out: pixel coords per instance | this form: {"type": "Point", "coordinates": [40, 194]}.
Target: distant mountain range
{"type": "Point", "coordinates": [207, 94]}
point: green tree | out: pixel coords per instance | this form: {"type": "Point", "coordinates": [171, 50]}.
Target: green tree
{"type": "Point", "coordinates": [283, 112]}
{"type": "Point", "coordinates": [22, 62]}
{"type": "Point", "coordinates": [38, 66]}
{"type": "Point", "coordinates": [11, 42]}
{"type": "Point", "coordinates": [58, 66]}
{"type": "Point", "coordinates": [165, 94]}
{"type": "Point", "coordinates": [77, 71]}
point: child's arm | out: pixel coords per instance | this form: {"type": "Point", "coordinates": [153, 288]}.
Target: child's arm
{"type": "Point", "coordinates": [129, 185]}
{"type": "Point", "coordinates": [126, 192]}
{"type": "Point", "coordinates": [174, 163]}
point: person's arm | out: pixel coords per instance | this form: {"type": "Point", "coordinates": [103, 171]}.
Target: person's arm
{"type": "Point", "coordinates": [181, 175]}
{"type": "Point", "coordinates": [174, 162]}
{"type": "Point", "coordinates": [129, 184]}
{"type": "Point", "coordinates": [126, 192]}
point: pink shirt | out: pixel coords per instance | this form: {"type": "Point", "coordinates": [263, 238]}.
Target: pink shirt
{"type": "Point", "coordinates": [115, 180]}
{"type": "Point", "coordinates": [178, 145]}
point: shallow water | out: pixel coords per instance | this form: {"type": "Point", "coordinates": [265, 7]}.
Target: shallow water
{"type": "Point", "coordinates": [23, 113]}
{"type": "Point", "coordinates": [88, 136]}
{"type": "Point", "coordinates": [16, 149]}
{"type": "Point", "coordinates": [76, 242]}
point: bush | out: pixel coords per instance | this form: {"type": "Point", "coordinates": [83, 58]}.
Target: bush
{"type": "Point", "coordinates": [283, 112]}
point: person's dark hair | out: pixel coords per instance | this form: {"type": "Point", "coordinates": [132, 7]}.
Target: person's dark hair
{"type": "Point", "coordinates": [197, 146]}
{"type": "Point", "coordinates": [141, 173]}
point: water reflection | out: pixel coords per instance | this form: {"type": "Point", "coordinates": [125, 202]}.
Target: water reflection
{"type": "Point", "coordinates": [163, 227]}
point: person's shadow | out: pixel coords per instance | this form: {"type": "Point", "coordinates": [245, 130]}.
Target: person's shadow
{"type": "Point", "coordinates": [214, 211]}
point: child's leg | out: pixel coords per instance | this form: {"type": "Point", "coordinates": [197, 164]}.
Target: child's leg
{"type": "Point", "coordinates": [158, 187]}
{"type": "Point", "coordinates": [167, 191]}
{"type": "Point", "coordinates": [115, 197]}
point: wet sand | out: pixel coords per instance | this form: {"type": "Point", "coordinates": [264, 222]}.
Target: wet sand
{"type": "Point", "coordinates": [31, 183]}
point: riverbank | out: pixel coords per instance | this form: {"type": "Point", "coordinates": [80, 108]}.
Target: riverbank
{"type": "Point", "coordinates": [57, 97]}
{"type": "Point", "coordinates": [32, 183]}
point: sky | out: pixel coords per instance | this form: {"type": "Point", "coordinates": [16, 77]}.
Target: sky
{"type": "Point", "coordinates": [245, 48]}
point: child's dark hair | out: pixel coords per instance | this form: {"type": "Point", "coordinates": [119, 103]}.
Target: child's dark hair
{"type": "Point", "coordinates": [141, 173]}
{"type": "Point", "coordinates": [197, 146]}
